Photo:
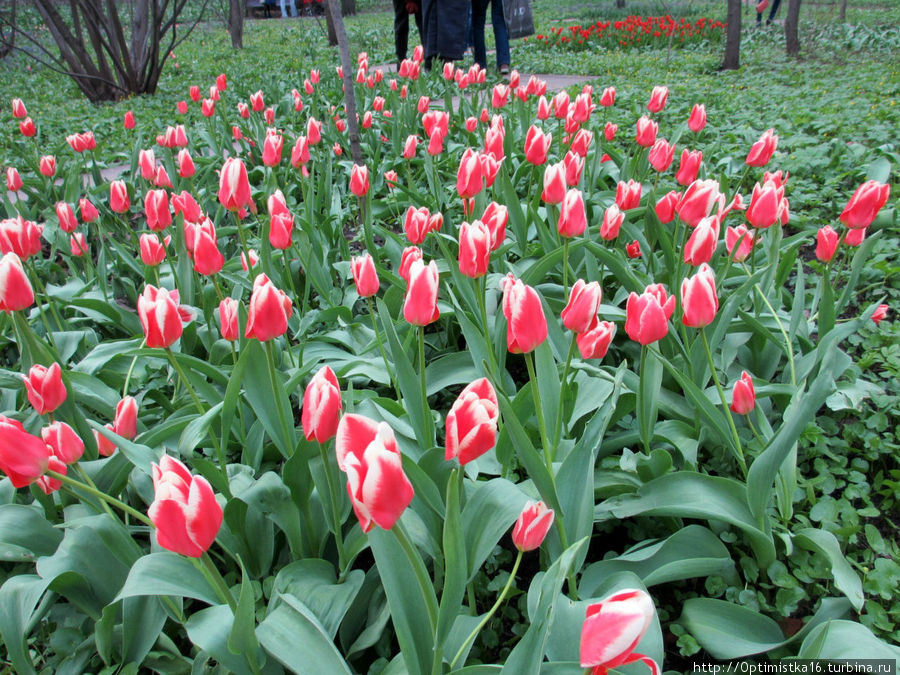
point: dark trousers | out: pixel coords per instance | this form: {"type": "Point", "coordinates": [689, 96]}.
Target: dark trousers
{"type": "Point", "coordinates": [401, 28]}
{"type": "Point", "coordinates": [773, 10]}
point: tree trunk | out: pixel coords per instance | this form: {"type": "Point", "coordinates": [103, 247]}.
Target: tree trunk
{"type": "Point", "coordinates": [329, 21]}
{"type": "Point", "coordinates": [8, 35]}
{"type": "Point", "coordinates": [843, 16]}
{"type": "Point", "coordinates": [791, 33]}
{"type": "Point", "coordinates": [348, 7]}
{"type": "Point", "coordinates": [733, 37]}
{"type": "Point", "coordinates": [337, 21]}
{"type": "Point", "coordinates": [236, 23]}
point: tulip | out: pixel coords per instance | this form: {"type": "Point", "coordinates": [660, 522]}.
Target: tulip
{"type": "Point", "coordinates": [147, 164]}
{"type": "Point", "coordinates": [201, 241]}
{"type": "Point", "coordinates": [594, 342]}
{"type": "Point", "coordinates": [646, 130]}
{"type": "Point", "coordinates": [583, 107]}
{"type": "Point", "coordinates": [378, 487]}
{"type": "Point", "coordinates": [27, 128]}
{"type": "Point", "coordinates": [125, 420]}
{"type": "Point", "coordinates": [633, 250]}
{"type": "Point", "coordinates": [658, 98]}
{"type": "Point", "coordinates": [879, 314]}
{"type": "Point", "coordinates": [415, 224]}
{"type": "Point", "coordinates": [855, 237]}
{"type": "Point", "coordinates": [543, 108]}
{"type": "Point", "coordinates": [554, 183]}
{"type": "Point", "coordinates": [162, 178]}
{"type": "Point", "coordinates": [409, 147]}
{"type": "Point", "coordinates": [47, 166]}
{"type": "Point", "coordinates": [228, 319]}
{"type": "Point", "coordinates": [66, 215]}
{"type": "Point", "coordinates": [23, 458]}
{"type": "Point", "coordinates": [185, 204]}
{"type": "Point", "coordinates": [78, 245]}
{"type": "Point", "coordinates": [63, 442]}
{"type": "Point", "coordinates": [182, 107]}
{"type": "Point", "coordinates": [574, 166]}
{"type": "Point", "coordinates": [88, 211]}
{"type": "Point", "coordinates": [662, 154]}
{"type": "Point", "coordinates": [18, 108]}
{"type": "Point", "coordinates": [697, 201]}
{"type": "Point", "coordinates": [610, 130]}
{"type": "Point", "coordinates": [864, 205]}
{"type": "Point", "coordinates": [321, 406]}
{"type": "Point", "coordinates": [526, 326]}
{"type": "Point", "coordinates": [20, 236]}
{"type": "Point", "coordinates": [359, 180]}
{"type": "Point", "coordinates": [436, 121]}
{"type": "Point", "coordinates": [613, 218]}
{"type": "Point", "coordinates": [186, 167]}
{"type": "Point", "coordinates": [493, 142]}
{"type": "Point", "coordinates": [222, 82]}
{"type": "Point", "coordinates": [161, 316]}
{"type": "Point", "coordinates": [537, 144]}
{"type": "Point", "coordinates": [628, 195]}
{"type": "Point", "coordinates": [743, 396]}
{"type": "Point", "coordinates": [13, 179]}
{"type": "Point", "coordinates": [612, 630]}
{"type": "Point", "coordinates": [257, 102]}
{"type": "Point", "coordinates": [647, 315]}
{"type": "Point", "coordinates": [208, 107]}
{"type": "Point", "coordinates": [583, 305]}
{"type": "Point", "coordinates": [761, 151]}
{"type": "Point", "coordinates": [496, 216]}
{"type": "Point", "coordinates": [254, 258]}
{"type": "Point", "coordinates": [156, 209]}
{"type": "Point", "coordinates": [665, 207]}
{"type": "Point", "coordinates": [272, 148]}
{"type": "Point", "coordinates": [234, 186]}
{"type": "Point", "coordinates": [118, 197]}
{"type": "Point", "coordinates": [689, 167]}
{"type": "Point", "coordinates": [532, 526]}
{"type": "Point", "coordinates": [608, 97]}
{"type": "Point", "coordinates": [572, 215]}
{"type": "Point", "coordinates": [153, 251]}
{"type": "Point", "coordinates": [409, 256]}
{"type": "Point", "coordinates": [474, 249]}
{"type": "Point", "coordinates": [314, 131]}
{"type": "Point", "coordinates": [472, 423]}
{"type": "Point", "coordinates": [469, 176]}
{"type": "Point", "coordinates": [826, 243]}
{"type": "Point", "coordinates": [281, 227]}
{"type": "Point", "coordinates": [732, 234]}
{"type": "Point", "coordinates": [243, 110]}
{"type": "Point", "coordinates": [184, 511]}
{"type": "Point", "coordinates": [703, 241]}
{"type": "Point", "coordinates": [15, 290]}
{"type": "Point", "coordinates": [499, 96]}
{"type": "Point", "coordinates": [697, 120]}
{"type": "Point", "coordinates": [489, 168]}
{"type": "Point", "coordinates": [46, 391]}
{"type": "Point", "coordinates": [269, 310]}
{"type": "Point", "coordinates": [699, 301]}
{"type": "Point", "coordinates": [364, 275]}
{"type": "Point", "coordinates": [420, 307]}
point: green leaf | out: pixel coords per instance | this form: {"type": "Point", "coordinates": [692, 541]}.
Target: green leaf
{"type": "Point", "coordinates": [242, 639]}
{"type": "Point", "coordinates": [19, 597]}
{"type": "Point", "coordinates": [879, 169]}
{"type": "Point", "coordinates": [293, 635]}
{"type": "Point", "coordinates": [489, 513]}
{"type": "Point", "coordinates": [141, 456]}
{"type": "Point", "coordinates": [845, 578]}
{"type": "Point", "coordinates": [197, 430]}
{"type": "Point", "coordinates": [845, 640]}
{"type": "Point", "coordinates": [455, 566]}
{"type": "Point", "coordinates": [548, 383]}
{"type": "Point", "coordinates": [259, 393]}
{"type": "Point", "coordinates": [166, 573]}
{"type": "Point", "coordinates": [25, 534]}
{"type": "Point", "coordinates": [142, 621]}
{"type": "Point", "coordinates": [209, 629]}
{"type": "Point", "coordinates": [648, 394]}
{"type": "Point", "coordinates": [729, 631]}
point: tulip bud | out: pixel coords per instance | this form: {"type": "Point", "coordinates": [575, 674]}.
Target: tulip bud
{"type": "Point", "coordinates": [697, 201]}
{"type": "Point", "coordinates": [321, 406]}
{"type": "Point", "coordinates": [665, 207]}
{"type": "Point", "coordinates": [359, 180]}
{"type": "Point", "coordinates": [15, 290]}
{"type": "Point", "coordinates": [118, 197]}
{"type": "Point", "coordinates": [270, 309]}
{"type": "Point", "coordinates": [647, 315]}
{"type": "Point", "coordinates": [160, 316]}
{"type": "Point", "coordinates": [472, 423]}
{"type": "Point", "coordinates": [469, 176]}
{"type": "Point", "coordinates": [826, 243]}
{"type": "Point", "coordinates": [864, 205]}
{"type": "Point", "coordinates": [420, 307]}
{"type": "Point", "coordinates": [554, 183]}
{"type": "Point", "coordinates": [156, 210]}
{"type": "Point", "coordinates": [594, 342]}
{"type": "Point", "coordinates": [62, 440]}
{"type": "Point", "coordinates": [78, 245]}
{"type": "Point", "coordinates": [125, 420]}
{"type": "Point", "coordinates": [47, 166]}
{"type": "Point", "coordinates": [364, 275]}
{"type": "Point", "coordinates": [153, 251]}
{"type": "Point", "coordinates": [633, 250]}
{"type": "Point", "coordinates": [234, 186]}
{"type": "Point", "coordinates": [46, 391]}
{"type": "Point", "coordinates": [699, 301]}
{"type": "Point", "coordinates": [662, 154]}
{"type": "Point", "coordinates": [18, 108]}
{"type": "Point", "coordinates": [13, 179]}
{"type": "Point", "coordinates": [474, 249]}
{"type": "Point", "coordinates": [526, 326]}
{"type": "Point", "coordinates": [646, 130]}
{"type": "Point", "coordinates": [628, 195]}
{"type": "Point", "coordinates": [23, 458]}
{"type": "Point", "coordinates": [186, 167]}
{"type": "Point", "coordinates": [613, 628]}
{"type": "Point", "coordinates": [879, 314]}
{"type": "Point", "coordinates": [743, 396]}
{"type": "Point", "coordinates": [572, 214]}
{"type": "Point", "coordinates": [613, 218]}
{"type": "Point", "coordinates": [27, 128]}
{"type": "Point", "coordinates": [689, 167]}
{"type": "Point", "coordinates": [409, 256]}
{"type": "Point", "coordinates": [732, 235]}
{"type": "Point", "coordinates": [702, 243]}
{"type": "Point", "coordinates": [697, 120]}
{"type": "Point", "coordinates": [66, 215]}
{"type": "Point", "coordinates": [583, 305]}
{"type": "Point", "coordinates": [537, 144]}
{"type": "Point", "coordinates": [608, 97]}
{"type": "Point", "coordinates": [658, 98]}
{"type": "Point", "coordinates": [272, 148]}
{"type": "Point", "coordinates": [532, 526]}
{"type": "Point", "coordinates": [761, 151]}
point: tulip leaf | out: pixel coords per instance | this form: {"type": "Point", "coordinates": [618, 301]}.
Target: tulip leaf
{"type": "Point", "coordinates": [197, 430]}
{"type": "Point", "coordinates": [242, 639]}
{"type": "Point", "coordinates": [19, 596]}
{"type": "Point", "coordinates": [455, 566]}
{"type": "Point", "coordinates": [489, 513]}
{"type": "Point", "coordinates": [139, 455]}
{"type": "Point", "coordinates": [845, 577]}
{"type": "Point", "coordinates": [209, 629]}
{"type": "Point", "coordinates": [265, 397]}
{"type": "Point", "coordinates": [548, 384]}
{"type": "Point", "coordinates": [25, 534]}
{"type": "Point", "coordinates": [293, 635]}
{"type": "Point", "coordinates": [648, 393]}
{"type": "Point", "coordinates": [167, 573]}
{"type": "Point", "coordinates": [839, 639]}
{"type": "Point", "coordinates": [233, 395]}
{"type": "Point", "coordinates": [861, 256]}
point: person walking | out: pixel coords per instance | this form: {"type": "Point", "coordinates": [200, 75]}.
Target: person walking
{"type": "Point", "coordinates": [284, 12]}
{"type": "Point", "coordinates": [501, 35]}
{"type": "Point", "coordinates": [761, 7]}
{"type": "Point", "coordinates": [444, 26]}
{"type": "Point", "coordinates": [402, 10]}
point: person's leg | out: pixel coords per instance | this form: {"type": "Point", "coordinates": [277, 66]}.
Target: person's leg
{"type": "Point", "coordinates": [401, 30]}
{"type": "Point", "coordinates": [284, 12]}
{"type": "Point", "coordinates": [501, 35]}
{"type": "Point", "coordinates": [759, 18]}
{"type": "Point", "coordinates": [479, 14]}
{"type": "Point", "coordinates": [772, 12]}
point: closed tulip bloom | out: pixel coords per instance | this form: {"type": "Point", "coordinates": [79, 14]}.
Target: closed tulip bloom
{"type": "Point", "coordinates": [612, 630]}
{"type": "Point", "coordinates": [532, 526]}
{"type": "Point", "coordinates": [253, 259]}
{"type": "Point", "coordinates": [767, 205]}
{"type": "Point", "coordinates": [560, 105]}
{"type": "Point", "coordinates": [194, 93]}
{"type": "Point", "coordinates": [420, 307]}
{"type": "Point", "coordinates": [185, 204]}
{"type": "Point", "coordinates": [658, 98]}
{"type": "Point", "coordinates": [702, 243]}
{"type": "Point", "coordinates": [161, 316]}
{"type": "Point", "coordinates": [281, 227]}
{"type": "Point", "coordinates": [23, 458]}
{"type": "Point", "coordinates": [761, 151]}
{"type": "Point", "coordinates": [583, 107]}
{"type": "Point", "coordinates": [526, 325]}
{"type": "Point", "coordinates": [153, 251]}
{"type": "Point", "coordinates": [182, 107]}
{"type": "Point", "coordinates": [162, 180]}
{"type": "Point", "coordinates": [689, 167]}
{"type": "Point", "coordinates": [15, 290]}
{"type": "Point", "coordinates": [493, 142]}
{"type": "Point", "coordinates": [665, 207]}
{"type": "Point", "coordinates": [647, 315]}
{"type": "Point", "coordinates": [436, 121]}
{"type": "Point", "coordinates": [594, 342]}
{"type": "Point", "coordinates": [364, 275]}
{"type": "Point", "coordinates": [699, 300]}
{"type": "Point", "coordinates": [574, 166]}
{"type": "Point", "coordinates": [47, 166]}
{"type": "Point", "coordinates": [147, 164]}
{"type": "Point", "coordinates": [543, 108]}
{"type": "Point", "coordinates": [359, 180]}
{"type": "Point", "coordinates": [20, 236]}
{"type": "Point", "coordinates": [855, 237]}
{"type": "Point", "coordinates": [88, 211]}
{"type": "Point", "coordinates": [66, 215]}
{"type": "Point", "coordinates": [63, 442]}
{"type": "Point", "coordinates": [314, 131]}
{"type": "Point", "coordinates": [321, 406]}
{"type": "Point", "coordinates": [46, 391]}
{"type": "Point", "coordinates": [78, 245]}
{"type": "Point", "coordinates": [409, 147]}
{"type": "Point", "coordinates": [489, 168]}
{"type": "Point", "coordinates": [300, 152]}
{"type": "Point", "coordinates": [378, 487]}
{"type": "Point", "coordinates": [496, 217]}
{"type": "Point", "coordinates": [272, 148]}
{"type": "Point", "coordinates": [18, 108]}
{"type": "Point", "coordinates": [554, 183]}
{"type": "Point", "coordinates": [537, 144]}
{"type": "Point", "coordinates": [222, 82]}
{"type": "Point", "coordinates": [118, 197]}
{"type": "Point", "coordinates": [409, 256]}
{"type": "Point", "coordinates": [469, 176]}
{"type": "Point", "coordinates": [499, 96]}
{"type": "Point", "coordinates": [234, 186]}
{"type": "Point", "coordinates": [186, 167]}
{"type": "Point", "coordinates": [270, 309]}
{"type": "Point", "coordinates": [581, 142]}
{"type": "Point", "coordinates": [743, 396]}
{"type": "Point", "coordinates": [613, 218]}
{"type": "Point", "coordinates": [27, 128]}
{"type": "Point", "coordinates": [474, 249]}
{"type": "Point", "coordinates": [628, 195]}
{"type": "Point", "coordinates": [608, 97]}
{"type": "Point", "coordinates": [228, 319]}
{"type": "Point", "coordinates": [125, 420]}
{"type": "Point", "coordinates": [826, 243]}
{"type": "Point", "coordinates": [633, 250]}
{"type": "Point", "coordinates": [472, 423]}
{"type": "Point", "coordinates": [697, 120]}
{"type": "Point", "coordinates": [646, 130]}
{"type": "Point", "coordinates": [202, 244]}
{"type": "Point", "coordinates": [156, 210]}
{"type": "Point", "coordinates": [880, 313]}
{"type": "Point", "coordinates": [184, 511]}
{"type": "Point", "coordinates": [572, 214]}
{"type": "Point", "coordinates": [864, 205]}
{"type": "Point", "coordinates": [257, 101]}
{"type": "Point", "coordinates": [13, 179]}
{"type": "Point", "coordinates": [661, 155]}
{"type": "Point", "coordinates": [732, 235]}
{"type": "Point", "coordinates": [415, 224]}
{"type": "Point", "coordinates": [697, 202]}
{"type": "Point", "coordinates": [583, 305]}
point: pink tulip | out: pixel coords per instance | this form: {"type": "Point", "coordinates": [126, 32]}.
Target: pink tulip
{"type": "Point", "coordinates": [647, 315]}
{"type": "Point", "coordinates": [612, 630]}
{"type": "Point", "coordinates": [689, 166]}
{"type": "Point", "coordinates": [469, 176]}
{"type": "Point", "coordinates": [420, 307]}
{"type": "Point", "coordinates": [732, 235]}
{"type": "Point", "coordinates": [767, 205]}
{"type": "Point", "coordinates": [15, 290]}
{"type": "Point", "coordinates": [613, 218]}
{"type": "Point", "coordinates": [665, 207]}
{"type": "Point", "coordinates": [537, 144]}
{"type": "Point", "coordinates": [526, 325]}
{"type": "Point", "coordinates": [699, 300]}
{"type": "Point", "coordinates": [583, 305]}
{"type": "Point", "coordinates": [532, 526]}
{"type": "Point", "coordinates": [472, 423]}
{"type": "Point", "coordinates": [864, 205]}
{"type": "Point", "coordinates": [594, 342]}
{"type": "Point", "coordinates": [697, 120]}
{"type": "Point", "coordinates": [156, 210]}
{"type": "Point", "coordinates": [743, 396]}
{"type": "Point", "coordinates": [63, 442]}
{"type": "Point", "coordinates": [646, 130]}
{"type": "Point", "coordinates": [702, 243]}
{"type": "Point", "coordinates": [826, 243]}
{"type": "Point", "coordinates": [20, 236]}
{"type": "Point", "coordinates": [628, 195]}
{"type": "Point", "coordinates": [234, 186]}
{"type": "Point", "coordinates": [23, 458]}
{"type": "Point", "coordinates": [364, 275]}
{"type": "Point", "coordinates": [228, 319]}
{"type": "Point", "coordinates": [66, 215]}
{"type": "Point", "coordinates": [658, 98]}
{"type": "Point", "coordinates": [474, 249]}
{"type": "Point", "coordinates": [46, 391]}
{"type": "Point", "coordinates": [761, 151]}
{"type": "Point", "coordinates": [161, 316]}
{"type": "Point", "coordinates": [661, 155]}
{"type": "Point", "coordinates": [697, 201]}
{"type": "Point", "coordinates": [572, 214]}
{"type": "Point", "coordinates": [270, 309]}
{"type": "Point", "coordinates": [321, 406]}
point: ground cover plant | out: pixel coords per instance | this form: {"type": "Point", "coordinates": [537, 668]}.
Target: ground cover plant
{"type": "Point", "coordinates": [545, 368]}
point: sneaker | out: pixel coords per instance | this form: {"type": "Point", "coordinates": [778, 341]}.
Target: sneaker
{"type": "Point", "coordinates": [504, 72]}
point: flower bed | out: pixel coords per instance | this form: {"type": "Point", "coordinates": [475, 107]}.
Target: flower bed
{"type": "Point", "coordinates": [635, 32]}
{"type": "Point", "coordinates": [289, 447]}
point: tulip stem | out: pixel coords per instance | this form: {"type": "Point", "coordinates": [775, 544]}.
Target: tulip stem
{"type": "Point", "coordinates": [270, 358]}
{"type": "Point", "coordinates": [491, 611]}
{"type": "Point", "coordinates": [752, 426]}
{"type": "Point", "coordinates": [251, 269]}
{"type": "Point", "coordinates": [378, 340]}
{"type": "Point", "coordinates": [214, 577]}
{"type": "Point", "coordinates": [415, 561]}
{"type": "Point", "coordinates": [429, 423]}
{"type": "Point", "coordinates": [734, 432]}
{"type": "Point", "coordinates": [94, 492]}
{"type": "Point", "coordinates": [542, 425]}
{"type": "Point", "coordinates": [335, 510]}
{"type": "Point", "coordinates": [565, 267]}
{"type": "Point", "coordinates": [562, 395]}
{"type": "Point", "coordinates": [481, 293]}
{"type": "Point", "coordinates": [787, 340]}
{"type": "Point", "coordinates": [88, 480]}
{"type": "Point", "coordinates": [131, 369]}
